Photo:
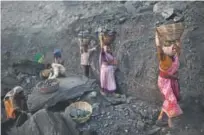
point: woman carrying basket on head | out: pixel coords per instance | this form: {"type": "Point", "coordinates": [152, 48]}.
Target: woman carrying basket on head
{"type": "Point", "coordinates": [107, 62]}
{"type": "Point", "coordinates": [168, 55]}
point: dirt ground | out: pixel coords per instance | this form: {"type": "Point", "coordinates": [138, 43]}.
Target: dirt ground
{"type": "Point", "coordinates": [30, 27]}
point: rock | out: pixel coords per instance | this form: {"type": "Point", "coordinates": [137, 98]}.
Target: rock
{"type": "Point", "coordinates": [167, 13]}
{"type": "Point", "coordinates": [27, 67]}
{"type": "Point", "coordinates": [122, 20]}
{"type": "Point", "coordinates": [177, 6]}
{"type": "Point", "coordinates": [96, 105]}
{"type": "Point", "coordinates": [123, 2]}
{"type": "Point", "coordinates": [169, 9]}
{"type": "Point", "coordinates": [140, 125]}
{"type": "Point", "coordinates": [134, 106]}
{"type": "Point", "coordinates": [27, 80]}
{"type": "Point", "coordinates": [143, 113]}
{"type": "Point", "coordinates": [178, 18]}
{"type": "Point", "coordinates": [129, 99]}
{"type": "Point", "coordinates": [130, 8]}
{"type": "Point", "coordinates": [7, 83]}
{"type": "Point", "coordinates": [92, 94]}
{"type": "Point", "coordinates": [89, 132]}
{"type": "Point", "coordinates": [168, 133]}
{"type": "Point", "coordinates": [154, 130]}
{"type": "Point", "coordinates": [70, 88]}
{"type": "Point", "coordinates": [147, 9]}
{"type": "Point", "coordinates": [21, 76]}
{"type": "Point", "coordinates": [106, 125]}
{"type": "Point", "coordinates": [44, 122]}
{"type": "Point", "coordinates": [116, 100]}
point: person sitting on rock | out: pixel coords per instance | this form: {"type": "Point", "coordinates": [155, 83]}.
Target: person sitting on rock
{"type": "Point", "coordinates": [44, 74]}
{"type": "Point", "coordinates": [53, 71]}
{"type": "Point", "coordinates": [15, 102]}
{"type": "Point", "coordinates": [57, 70]}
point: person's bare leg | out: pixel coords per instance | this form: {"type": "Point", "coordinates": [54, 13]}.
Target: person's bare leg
{"type": "Point", "coordinates": [161, 115]}
{"type": "Point", "coordinates": [160, 121]}
{"type": "Point", "coordinates": [170, 123]}
{"type": "Point", "coordinates": [102, 92]}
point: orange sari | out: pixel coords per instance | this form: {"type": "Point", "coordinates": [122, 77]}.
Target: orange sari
{"type": "Point", "coordinates": [170, 90]}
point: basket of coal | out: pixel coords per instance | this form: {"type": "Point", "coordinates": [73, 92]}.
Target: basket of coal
{"type": "Point", "coordinates": [48, 86]}
{"type": "Point", "coordinates": [80, 111]}
{"type": "Point", "coordinates": [84, 37]}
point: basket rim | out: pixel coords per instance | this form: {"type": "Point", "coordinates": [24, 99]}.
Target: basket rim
{"type": "Point", "coordinates": [82, 119]}
{"type": "Point", "coordinates": [72, 104]}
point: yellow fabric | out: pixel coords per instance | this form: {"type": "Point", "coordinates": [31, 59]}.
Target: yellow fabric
{"type": "Point", "coordinates": [46, 73]}
{"type": "Point", "coordinates": [165, 63]}
{"type": "Point", "coordinates": [101, 40]}
{"type": "Point", "coordinates": [41, 59]}
{"type": "Point", "coordinates": [9, 107]}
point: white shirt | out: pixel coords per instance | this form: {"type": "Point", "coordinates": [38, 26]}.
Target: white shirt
{"type": "Point", "coordinates": [85, 56]}
{"type": "Point", "coordinates": [57, 69]}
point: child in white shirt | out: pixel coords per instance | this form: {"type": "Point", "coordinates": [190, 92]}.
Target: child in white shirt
{"type": "Point", "coordinates": [85, 60]}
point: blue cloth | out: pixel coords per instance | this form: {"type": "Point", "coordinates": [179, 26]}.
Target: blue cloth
{"type": "Point", "coordinates": [57, 53]}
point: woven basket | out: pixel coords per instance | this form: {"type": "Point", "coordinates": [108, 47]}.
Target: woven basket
{"type": "Point", "coordinates": [170, 32]}
{"type": "Point", "coordinates": [108, 39]}
{"type": "Point", "coordinates": [85, 41]}
{"type": "Point", "coordinates": [83, 106]}
{"type": "Point", "coordinates": [48, 89]}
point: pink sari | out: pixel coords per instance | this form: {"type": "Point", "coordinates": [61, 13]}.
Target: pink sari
{"type": "Point", "coordinates": [107, 77]}
{"type": "Point", "coordinates": [170, 90]}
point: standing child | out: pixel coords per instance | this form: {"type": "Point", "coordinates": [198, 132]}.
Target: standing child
{"type": "Point", "coordinates": [85, 62]}
{"type": "Point", "coordinates": [58, 56]}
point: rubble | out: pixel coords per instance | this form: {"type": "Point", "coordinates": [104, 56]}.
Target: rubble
{"type": "Point", "coordinates": [46, 123]}
{"type": "Point", "coordinates": [27, 31]}
{"type": "Point", "coordinates": [70, 88]}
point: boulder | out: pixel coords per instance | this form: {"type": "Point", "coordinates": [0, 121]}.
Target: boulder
{"type": "Point", "coordinates": [70, 88]}
{"type": "Point", "coordinates": [27, 67]}
{"type": "Point", "coordinates": [7, 83]}
{"type": "Point", "coordinates": [168, 9]}
{"type": "Point", "coordinates": [46, 123]}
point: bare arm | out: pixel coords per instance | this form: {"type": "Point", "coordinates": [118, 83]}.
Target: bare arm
{"type": "Point", "coordinates": [158, 45]}
{"type": "Point", "coordinates": [157, 41]}
{"type": "Point", "coordinates": [81, 49]}
{"type": "Point", "coordinates": [92, 49]}
{"type": "Point", "coordinates": [101, 40]}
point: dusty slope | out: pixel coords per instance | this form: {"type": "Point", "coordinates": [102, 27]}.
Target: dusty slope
{"type": "Point", "coordinates": [30, 27]}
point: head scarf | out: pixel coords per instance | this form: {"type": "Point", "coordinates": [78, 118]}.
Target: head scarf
{"type": "Point", "coordinates": [57, 53]}
{"type": "Point", "coordinates": [39, 57]}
